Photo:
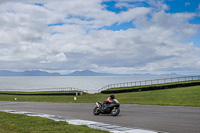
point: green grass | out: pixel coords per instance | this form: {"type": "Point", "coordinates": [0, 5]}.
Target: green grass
{"type": "Point", "coordinates": [185, 96]}
{"type": "Point", "coordinates": [143, 86]}
{"type": "Point", "coordinates": [17, 123]}
{"type": "Point", "coordinates": [85, 98]}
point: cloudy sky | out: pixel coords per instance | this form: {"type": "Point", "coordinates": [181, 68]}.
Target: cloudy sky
{"type": "Point", "coordinates": [118, 36]}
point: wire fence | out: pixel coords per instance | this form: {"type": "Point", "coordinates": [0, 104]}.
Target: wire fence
{"type": "Point", "coordinates": [150, 82]}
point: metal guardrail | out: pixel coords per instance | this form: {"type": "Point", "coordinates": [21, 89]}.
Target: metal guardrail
{"type": "Point", "coordinates": [150, 82]}
{"type": "Point", "coordinates": [66, 89]}
{"type": "Point", "coordinates": [48, 89]}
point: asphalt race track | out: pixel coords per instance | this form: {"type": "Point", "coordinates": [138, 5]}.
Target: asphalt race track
{"type": "Point", "coordinates": [173, 119]}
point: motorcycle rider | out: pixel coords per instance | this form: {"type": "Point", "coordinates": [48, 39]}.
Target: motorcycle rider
{"type": "Point", "coordinates": [109, 100]}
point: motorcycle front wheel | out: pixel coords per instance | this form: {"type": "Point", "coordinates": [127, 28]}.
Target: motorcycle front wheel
{"type": "Point", "coordinates": [96, 111]}
{"type": "Point", "coordinates": [115, 111]}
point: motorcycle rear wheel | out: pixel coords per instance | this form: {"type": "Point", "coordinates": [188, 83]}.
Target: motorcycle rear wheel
{"type": "Point", "coordinates": [115, 112]}
{"type": "Point", "coordinates": [96, 111]}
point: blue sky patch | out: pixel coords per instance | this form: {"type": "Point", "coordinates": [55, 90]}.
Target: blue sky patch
{"type": "Point", "coordinates": [56, 24]}
{"type": "Point", "coordinates": [110, 6]}
{"type": "Point", "coordinates": [83, 18]}
{"type": "Point", "coordinates": [113, 7]}
{"type": "Point", "coordinates": [196, 20]}
{"type": "Point", "coordinates": [53, 33]}
{"type": "Point", "coordinates": [177, 6]}
{"type": "Point", "coordinates": [196, 40]}
{"type": "Point", "coordinates": [118, 27]}
{"type": "Point", "coordinates": [39, 4]}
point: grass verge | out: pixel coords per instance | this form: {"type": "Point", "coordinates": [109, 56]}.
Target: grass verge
{"type": "Point", "coordinates": [16, 123]}
{"type": "Point", "coordinates": [184, 96]}
{"type": "Point", "coordinates": [154, 85]}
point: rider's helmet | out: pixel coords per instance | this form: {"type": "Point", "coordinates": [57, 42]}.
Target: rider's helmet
{"type": "Point", "coordinates": [112, 96]}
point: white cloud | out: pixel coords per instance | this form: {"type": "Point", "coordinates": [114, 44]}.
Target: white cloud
{"type": "Point", "coordinates": [81, 42]}
{"type": "Point", "coordinates": [56, 58]}
{"type": "Point", "coordinates": [178, 22]}
{"type": "Point", "coordinates": [132, 14]}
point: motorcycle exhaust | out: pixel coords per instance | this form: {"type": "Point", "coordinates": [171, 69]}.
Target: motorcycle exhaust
{"type": "Point", "coordinates": [97, 104]}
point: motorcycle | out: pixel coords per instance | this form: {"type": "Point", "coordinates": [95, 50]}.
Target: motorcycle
{"type": "Point", "coordinates": [108, 108]}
